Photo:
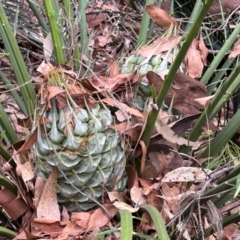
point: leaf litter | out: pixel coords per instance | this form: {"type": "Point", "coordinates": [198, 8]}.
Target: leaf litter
{"type": "Point", "coordinates": [163, 177]}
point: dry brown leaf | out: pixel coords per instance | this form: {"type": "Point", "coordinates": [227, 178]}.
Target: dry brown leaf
{"type": "Point", "coordinates": [236, 50]}
{"type": "Point", "coordinates": [230, 231]}
{"type": "Point", "coordinates": [131, 129]}
{"type": "Point", "coordinates": [149, 173]}
{"type": "Point", "coordinates": [183, 91]}
{"type": "Point", "coordinates": [137, 196]}
{"type": "Point", "coordinates": [65, 215]}
{"type": "Point", "coordinates": [27, 172]}
{"type": "Point", "coordinates": [124, 107]}
{"type": "Point", "coordinates": [114, 84]}
{"type": "Point", "coordinates": [187, 174]}
{"type": "Point", "coordinates": [81, 218]}
{"type": "Point", "coordinates": [122, 206]}
{"type": "Point", "coordinates": [53, 91]}
{"type": "Point", "coordinates": [160, 17]}
{"type": "Point", "coordinates": [39, 186]}
{"type": "Point", "coordinates": [13, 206]}
{"type": "Point", "coordinates": [144, 153]}
{"type": "Point", "coordinates": [47, 207]}
{"type": "Point", "coordinates": [203, 50]}
{"type": "Point", "coordinates": [160, 45]}
{"type": "Point", "coordinates": [169, 194]}
{"type": "Point", "coordinates": [44, 227]}
{"type": "Point", "coordinates": [48, 47]}
{"type": "Point", "coordinates": [204, 101]}
{"type": "Point", "coordinates": [113, 69]}
{"type": "Point", "coordinates": [193, 60]}
{"type": "Point", "coordinates": [170, 135]}
{"type": "Point", "coordinates": [163, 158]}
{"type": "Point", "coordinates": [132, 176]}
{"type": "Point", "coordinates": [99, 218]}
{"type": "Point", "coordinates": [116, 196]}
{"type": "Point", "coordinates": [94, 19]}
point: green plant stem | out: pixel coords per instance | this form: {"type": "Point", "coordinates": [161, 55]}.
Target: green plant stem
{"type": "Point", "coordinates": [233, 218]}
{"type": "Point", "coordinates": [126, 227]}
{"type": "Point", "coordinates": [8, 184]}
{"type": "Point", "coordinates": [194, 14]}
{"type": "Point", "coordinates": [50, 8]}
{"type": "Point", "coordinates": [18, 64]}
{"type": "Point", "coordinates": [9, 131]}
{"type": "Point", "coordinates": [219, 76]}
{"type": "Point", "coordinates": [68, 9]}
{"type": "Point", "coordinates": [158, 221]}
{"type": "Point", "coordinates": [223, 137]}
{"type": "Point", "coordinates": [14, 93]}
{"type": "Point", "coordinates": [222, 53]}
{"type": "Point", "coordinates": [152, 117]}
{"type": "Point", "coordinates": [39, 16]}
{"type": "Point", "coordinates": [230, 175]}
{"type": "Point", "coordinates": [142, 37]}
{"type": "Point", "coordinates": [83, 26]}
{"type": "Point", "coordinates": [4, 232]}
{"type": "Point", "coordinates": [224, 93]}
{"type": "Point", "coordinates": [208, 195]}
{"type": "Point", "coordinates": [7, 157]}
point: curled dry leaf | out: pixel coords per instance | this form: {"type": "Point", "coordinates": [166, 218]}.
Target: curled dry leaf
{"type": "Point", "coordinates": [158, 46]}
{"type": "Point", "coordinates": [132, 176]}
{"type": "Point", "coordinates": [204, 101]}
{"type": "Point", "coordinates": [122, 205]}
{"type": "Point", "coordinates": [116, 196]}
{"type": "Point", "coordinates": [160, 17]}
{"type": "Point", "coordinates": [137, 196]}
{"type": "Point", "coordinates": [187, 174]}
{"type": "Point", "coordinates": [123, 107]}
{"type": "Point", "coordinates": [170, 135]}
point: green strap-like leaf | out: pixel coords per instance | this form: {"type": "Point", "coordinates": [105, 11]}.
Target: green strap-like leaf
{"type": "Point", "coordinates": [158, 222]}
{"type": "Point", "coordinates": [55, 31]}
{"type": "Point", "coordinates": [17, 61]}
{"type": "Point", "coordinates": [9, 132]}
{"type": "Point", "coordinates": [126, 228]}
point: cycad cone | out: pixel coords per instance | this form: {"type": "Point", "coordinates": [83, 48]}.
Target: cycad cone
{"type": "Point", "coordinates": [85, 151]}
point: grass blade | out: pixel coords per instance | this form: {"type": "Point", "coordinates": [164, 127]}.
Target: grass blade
{"type": "Point", "coordinates": [55, 31]}
{"type": "Point", "coordinates": [158, 222]}
{"type": "Point", "coordinates": [9, 131]}
{"type": "Point", "coordinates": [126, 228]}
{"type": "Point", "coordinates": [17, 61]}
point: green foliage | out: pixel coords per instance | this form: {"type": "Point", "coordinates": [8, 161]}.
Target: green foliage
{"type": "Point", "coordinates": [19, 67]}
{"type": "Point", "coordinates": [126, 225]}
